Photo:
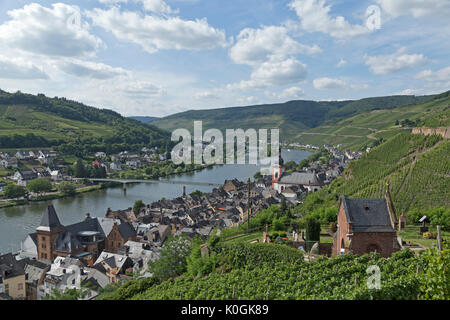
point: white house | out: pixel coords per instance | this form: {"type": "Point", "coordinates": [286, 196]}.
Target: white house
{"type": "Point", "coordinates": [282, 180]}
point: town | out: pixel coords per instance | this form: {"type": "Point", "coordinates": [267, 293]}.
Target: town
{"type": "Point", "coordinates": [117, 247]}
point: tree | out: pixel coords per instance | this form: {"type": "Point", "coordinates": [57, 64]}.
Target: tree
{"type": "Point", "coordinates": [80, 170]}
{"type": "Point", "coordinates": [138, 204]}
{"type": "Point", "coordinates": [257, 176]}
{"type": "Point", "coordinates": [172, 261]}
{"type": "Point", "coordinates": [39, 185]}
{"type": "Point", "coordinates": [14, 191]}
{"type": "Point", "coordinates": [67, 188]}
{"type": "Point", "coordinates": [312, 232]}
{"type": "Point", "coordinates": [283, 205]}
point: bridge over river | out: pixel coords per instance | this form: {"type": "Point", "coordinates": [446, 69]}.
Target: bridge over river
{"type": "Point", "coordinates": [127, 181]}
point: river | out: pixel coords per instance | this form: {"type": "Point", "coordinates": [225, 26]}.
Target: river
{"type": "Point", "coordinates": [17, 222]}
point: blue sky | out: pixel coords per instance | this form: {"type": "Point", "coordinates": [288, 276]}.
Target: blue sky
{"type": "Point", "coordinates": [159, 57]}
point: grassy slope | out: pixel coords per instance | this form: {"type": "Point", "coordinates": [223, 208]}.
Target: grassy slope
{"type": "Point", "coordinates": [291, 117]}
{"type": "Point", "coordinates": [413, 165]}
{"type": "Point", "coordinates": [362, 129]}
{"type": "Point", "coordinates": [58, 118]}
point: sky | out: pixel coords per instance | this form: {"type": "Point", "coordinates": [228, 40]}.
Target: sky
{"type": "Point", "coordinates": [160, 57]}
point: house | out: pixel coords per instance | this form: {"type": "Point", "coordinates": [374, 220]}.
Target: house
{"type": "Point", "coordinates": [56, 175]}
{"type": "Point", "coordinates": [114, 265]}
{"type": "Point", "coordinates": [135, 163]}
{"type": "Point", "coordinates": [140, 253]}
{"type": "Point", "coordinates": [2, 186]}
{"type": "Point", "coordinates": [65, 273]}
{"type": "Point", "coordinates": [233, 185]}
{"type": "Point", "coordinates": [35, 272]}
{"type": "Point", "coordinates": [282, 180]}
{"type": "Point", "coordinates": [28, 247]}
{"type": "Point", "coordinates": [9, 162]}
{"type": "Point", "coordinates": [41, 172]}
{"type": "Point", "coordinates": [86, 238]}
{"type": "Point", "coordinates": [12, 277]}
{"type": "Point", "coordinates": [366, 225]}
{"type": "Point", "coordinates": [23, 155]}
{"type": "Point", "coordinates": [23, 177]}
{"type": "Point", "coordinates": [100, 155]}
{"type": "Point", "coordinates": [115, 166]}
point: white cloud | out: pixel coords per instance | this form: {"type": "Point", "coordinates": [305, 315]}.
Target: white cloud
{"type": "Point", "coordinates": [157, 33]}
{"type": "Point", "coordinates": [254, 46]}
{"type": "Point", "coordinates": [314, 17]}
{"type": "Point", "coordinates": [142, 90]}
{"type": "Point", "coordinates": [439, 79]}
{"type": "Point", "coordinates": [289, 93]}
{"type": "Point", "coordinates": [156, 6]}
{"type": "Point", "coordinates": [206, 95]}
{"type": "Point", "coordinates": [270, 52]}
{"type": "Point", "coordinates": [416, 8]}
{"type": "Point", "coordinates": [440, 75]}
{"type": "Point", "coordinates": [17, 68]}
{"type": "Point", "coordinates": [390, 63]}
{"type": "Point", "coordinates": [341, 63]}
{"type": "Point", "coordinates": [278, 71]}
{"type": "Point", "coordinates": [326, 83]}
{"type": "Point", "coordinates": [57, 31]}
{"type": "Point", "coordinates": [407, 92]}
{"type": "Point", "coordinates": [91, 69]}
{"type": "Point", "coordinates": [329, 83]}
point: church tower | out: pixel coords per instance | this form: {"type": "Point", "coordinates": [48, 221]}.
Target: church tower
{"type": "Point", "coordinates": [277, 170]}
{"type": "Point", "coordinates": [47, 232]}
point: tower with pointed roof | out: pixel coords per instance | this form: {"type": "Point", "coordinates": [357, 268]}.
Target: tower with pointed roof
{"type": "Point", "coordinates": [47, 232]}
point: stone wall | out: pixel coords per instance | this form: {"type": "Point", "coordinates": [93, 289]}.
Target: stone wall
{"type": "Point", "coordinates": [442, 131]}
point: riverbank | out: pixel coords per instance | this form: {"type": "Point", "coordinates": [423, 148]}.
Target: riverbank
{"type": "Point", "coordinates": [59, 195]}
{"type": "Point", "coordinates": [95, 187]}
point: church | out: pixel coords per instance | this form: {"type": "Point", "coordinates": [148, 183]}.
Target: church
{"type": "Point", "coordinates": [84, 240]}
{"type": "Point", "coordinates": [366, 225]}
{"type": "Point", "coordinates": [282, 180]}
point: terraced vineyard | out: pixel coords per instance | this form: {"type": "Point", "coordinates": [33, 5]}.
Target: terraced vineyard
{"type": "Point", "coordinates": [271, 271]}
{"type": "Point", "coordinates": [415, 166]}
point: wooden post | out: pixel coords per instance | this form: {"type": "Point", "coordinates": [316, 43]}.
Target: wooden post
{"type": "Point", "coordinates": [439, 238]}
{"type": "Point", "coordinates": [234, 292]}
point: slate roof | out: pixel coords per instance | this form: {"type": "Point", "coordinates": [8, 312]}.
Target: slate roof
{"type": "Point", "coordinates": [126, 230]}
{"type": "Point", "coordinates": [303, 178]}
{"type": "Point", "coordinates": [10, 267]}
{"type": "Point", "coordinates": [28, 175]}
{"type": "Point", "coordinates": [50, 218]}
{"type": "Point", "coordinates": [367, 215]}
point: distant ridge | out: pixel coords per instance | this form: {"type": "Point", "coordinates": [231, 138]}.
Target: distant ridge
{"type": "Point", "coordinates": [144, 119]}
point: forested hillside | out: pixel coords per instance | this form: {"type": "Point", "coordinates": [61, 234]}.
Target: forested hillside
{"type": "Point", "coordinates": [28, 121]}
{"type": "Point", "coordinates": [294, 117]}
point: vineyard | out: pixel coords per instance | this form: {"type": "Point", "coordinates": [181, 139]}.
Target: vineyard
{"type": "Point", "coordinates": [272, 271]}
{"type": "Point", "coordinates": [415, 167]}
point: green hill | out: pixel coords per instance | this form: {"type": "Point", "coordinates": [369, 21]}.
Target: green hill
{"type": "Point", "coordinates": [144, 119]}
{"type": "Point", "coordinates": [28, 121]}
{"type": "Point", "coordinates": [364, 128]}
{"type": "Point", "coordinates": [295, 117]}
{"type": "Point", "coordinates": [415, 166]}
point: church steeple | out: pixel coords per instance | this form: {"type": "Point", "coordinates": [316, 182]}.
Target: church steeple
{"type": "Point", "coordinates": [50, 220]}
{"type": "Point", "coordinates": [47, 232]}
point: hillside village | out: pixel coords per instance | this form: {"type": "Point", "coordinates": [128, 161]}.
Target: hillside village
{"type": "Point", "coordinates": [118, 246]}
{"type": "Point", "coordinates": [27, 165]}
